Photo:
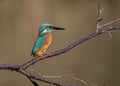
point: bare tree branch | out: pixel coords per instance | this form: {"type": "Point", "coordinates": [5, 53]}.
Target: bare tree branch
{"type": "Point", "coordinates": [69, 47]}
{"type": "Point", "coordinates": [23, 68]}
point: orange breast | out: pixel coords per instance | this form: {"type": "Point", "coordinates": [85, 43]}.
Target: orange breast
{"type": "Point", "coordinates": [46, 44]}
{"type": "Point", "coordinates": [48, 39]}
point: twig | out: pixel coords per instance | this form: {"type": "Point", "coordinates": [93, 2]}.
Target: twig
{"type": "Point", "coordinates": [109, 33]}
{"type": "Point", "coordinates": [81, 80]}
{"type": "Point", "coordinates": [99, 17]}
{"type": "Point", "coordinates": [33, 82]}
{"type": "Point", "coordinates": [109, 23]}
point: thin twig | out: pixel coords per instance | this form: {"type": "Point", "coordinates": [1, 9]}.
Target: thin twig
{"type": "Point", "coordinates": [109, 23]}
{"type": "Point", "coordinates": [81, 80]}
{"type": "Point", "coordinates": [99, 17]}
{"type": "Point", "coordinates": [109, 33]}
{"type": "Point", "coordinates": [33, 82]}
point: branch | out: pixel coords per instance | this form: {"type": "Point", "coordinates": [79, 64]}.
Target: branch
{"type": "Point", "coordinates": [23, 68]}
{"type": "Point", "coordinates": [18, 68]}
{"type": "Point", "coordinates": [69, 47]}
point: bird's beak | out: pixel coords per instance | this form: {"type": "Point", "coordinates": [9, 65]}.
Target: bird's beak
{"type": "Point", "coordinates": [57, 28]}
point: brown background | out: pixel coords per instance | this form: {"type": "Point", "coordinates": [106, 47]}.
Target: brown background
{"type": "Point", "coordinates": [95, 61]}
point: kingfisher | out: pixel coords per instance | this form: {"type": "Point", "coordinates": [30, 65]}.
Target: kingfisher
{"type": "Point", "coordinates": [44, 39]}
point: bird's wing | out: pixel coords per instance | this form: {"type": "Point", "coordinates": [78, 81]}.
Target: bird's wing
{"type": "Point", "coordinates": [38, 43]}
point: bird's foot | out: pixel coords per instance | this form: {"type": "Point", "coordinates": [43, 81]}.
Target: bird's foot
{"type": "Point", "coordinates": [47, 53]}
{"type": "Point", "coordinates": [41, 56]}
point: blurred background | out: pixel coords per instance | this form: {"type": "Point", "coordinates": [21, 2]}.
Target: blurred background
{"type": "Point", "coordinates": [96, 61]}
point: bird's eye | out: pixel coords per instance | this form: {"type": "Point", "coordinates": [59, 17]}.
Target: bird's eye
{"type": "Point", "coordinates": [51, 27]}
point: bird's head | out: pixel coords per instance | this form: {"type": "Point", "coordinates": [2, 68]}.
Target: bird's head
{"type": "Point", "coordinates": [46, 28]}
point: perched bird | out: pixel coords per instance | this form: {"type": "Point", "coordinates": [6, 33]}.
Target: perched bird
{"type": "Point", "coordinates": [44, 39]}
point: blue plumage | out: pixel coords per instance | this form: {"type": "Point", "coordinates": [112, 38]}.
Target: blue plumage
{"type": "Point", "coordinates": [40, 40]}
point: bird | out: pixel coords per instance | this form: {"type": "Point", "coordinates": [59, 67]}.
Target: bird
{"type": "Point", "coordinates": [43, 40]}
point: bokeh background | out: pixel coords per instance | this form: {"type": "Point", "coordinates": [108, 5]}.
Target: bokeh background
{"type": "Point", "coordinates": [96, 61]}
